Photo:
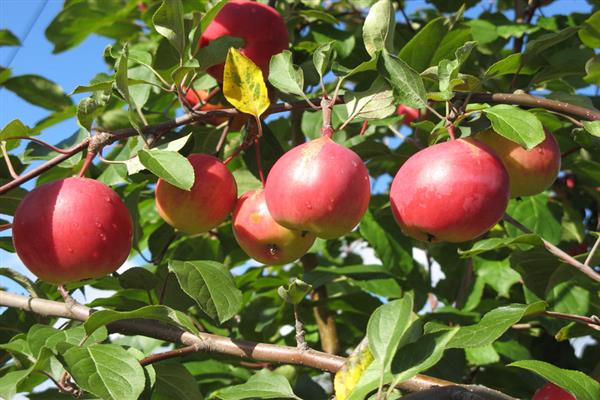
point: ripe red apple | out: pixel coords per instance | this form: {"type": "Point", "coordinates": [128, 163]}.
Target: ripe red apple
{"type": "Point", "coordinates": [261, 26]}
{"type": "Point", "coordinates": [452, 191]}
{"type": "Point", "coordinates": [319, 187]}
{"type": "Point", "coordinates": [261, 237]}
{"type": "Point", "coordinates": [192, 97]}
{"type": "Point", "coordinates": [206, 205]}
{"type": "Point", "coordinates": [72, 229]}
{"type": "Point", "coordinates": [530, 171]}
{"type": "Point", "coordinates": [409, 113]}
{"type": "Point", "coordinates": [552, 392]}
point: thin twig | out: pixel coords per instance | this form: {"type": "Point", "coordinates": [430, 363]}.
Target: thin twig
{"type": "Point", "coordinates": [593, 321]}
{"type": "Point", "coordinates": [39, 141]}
{"type": "Point", "coordinates": [182, 351]}
{"type": "Point", "coordinates": [300, 332]}
{"type": "Point", "coordinates": [566, 258]}
{"type": "Point", "coordinates": [9, 165]}
{"type": "Point", "coordinates": [588, 259]}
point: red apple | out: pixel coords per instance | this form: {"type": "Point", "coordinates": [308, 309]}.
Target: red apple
{"type": "Point", "coordinates": [261, 26]}
{"type": "Point", "coordinates": [552, 392]}
{"type": "Point", "coordinates": [192, 98]}
{"type": "Point", "coordinates": [261, 237]}
{"type": "Point", "coordinates": [206, 205]}
{"type": "Point", "coordinates": [530, 171]}
{"type": "Point", "coordinates": [72, 229]}
{"type": "Point", "coordinates": [452, 191]}
{"type": "Point", "coordinates": [409, 113]}
{"type": "Point", "coordinates": [319, 187]}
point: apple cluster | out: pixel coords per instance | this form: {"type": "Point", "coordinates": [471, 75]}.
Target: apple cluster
{"type": "Point", "coordinates": [78, 228]}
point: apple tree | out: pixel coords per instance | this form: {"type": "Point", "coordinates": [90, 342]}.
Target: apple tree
{"type": "Point", "coordinates": [343, 199]}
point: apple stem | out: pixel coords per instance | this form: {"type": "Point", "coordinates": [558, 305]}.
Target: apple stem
{"type": "Point", "coordinates": [451, 131]}
{"type": "Point", "coordinates": [258, 161]}
{"type": "Point", "coordinates": [326, 107]}
{"type": "Point", "coordinates": [86, 163]}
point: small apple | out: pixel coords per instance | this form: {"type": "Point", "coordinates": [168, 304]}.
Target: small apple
{"type": "Point", "coordinates": [409, 113]}
{"type": "Point", "coordinates": [530, 171]}
{"type": "Point", "coordinates": [319, 187]}
{"type": "Point", "coordinates": [206, 205]}
{"type": "Point", "coordinates": [261, 237]}
{"type": "Point", "coordinates": [552, 392]}
{"type": "Point", "coordinates": [192, 98]}
{"type": "Point", "coordinates": [261, 26]}
{"type": "Point", "coordinates": [452, 191]}
{"type": "Point", "coordinates": [72, 229]}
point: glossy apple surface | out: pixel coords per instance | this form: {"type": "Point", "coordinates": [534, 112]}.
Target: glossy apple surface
{"type": "Point", "coordinates": [261, 26]}
{"type": "Point", "coordinates": [530, 171]}
{"type": "Point", "coordinates": [261, 237]}
{"type": "Point", "coordinates": [409, 113]}
{"type": "Point", "coordinates": [208, 203]}
{"type": "Point", "coordinates": [72, 229]}
{"type": "Point", "coordinates": [319, 187]}
{"type": "Point", "coordinates": [552, 392]}
{"type": "Point", "coordinates": [192, 98]}
{"type": "Point", "coordinates": [452, 191]}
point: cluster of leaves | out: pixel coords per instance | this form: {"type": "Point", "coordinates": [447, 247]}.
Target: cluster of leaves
{"type": "Point", "coordinates": [488, 285]}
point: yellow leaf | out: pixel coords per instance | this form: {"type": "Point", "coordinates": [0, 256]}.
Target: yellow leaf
{"type": "Point", "coordinates": [349, 375]}
{"type": "Point", "coordinates": [244, 85]}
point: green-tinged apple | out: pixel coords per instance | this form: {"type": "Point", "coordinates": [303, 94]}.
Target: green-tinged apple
{"type": "Point", "coordinates": [453, 191]}
{"type": "Point", "coordinates": [206, 205]}
{"type": "Point", "coordinates": [72, 229]}
{"type": "Point", "coordinates": [261, 237]}
{"type": "Point", "coordinates": [530, 171]}
{"type": "Point", "coordinates": [260, 26]}
{"type": "Point", "coordinates": [319, 187]}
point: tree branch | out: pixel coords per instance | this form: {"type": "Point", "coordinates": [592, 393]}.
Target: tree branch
{"type": "Point", "coordinates": [210, 343]}
{"type": "Point", "coordinates": [527, 100]}
{"type": "Point", "coordinates": [556, 251]}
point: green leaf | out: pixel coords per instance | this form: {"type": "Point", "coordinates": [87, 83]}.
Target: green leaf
{"type": "Point", "coordinates": [211, 285]}
{"type": "Point", "coordinates": [10, 382]}
{"type": "Point", "coordinates": [7, 38]}
{"type": "Point", "coordinates": [377, 102]}
{"type": "Point", "coordinates": [406, 82]}
{"type": "Point", "coordinates": [388, 246]}
{"type": "Point", "coordinates": [518, 125]}
{"type": "Point", "coordinates": [105, 370]}
{"type": "Point", "coordinates": [216, 51]}
{"type": "Point", "coordinates": [263, 385]}
{"type": "Point", "coordinates": [210, 15]}
{"type": "Point", "coordinates": [493, 325]}
{"type": "Point", "coordinates": [386, 327]}
{"type": "Point", "coordinates": [87, 110]}
{"type": "Point", "coordinates": [419, 52]}
{"type": "Point", "coordinates": [174, 381]}
{"type": "Point", "coordinates": [592, 127]}
{"type": "Point", "coordinates": [170, 166]}
{"type": "Point", "coordinates": [510, 65]}
{"type": "Point", "coordinates": [15, 128]}
{"type": "Point", "coordinates": [540, 44]}
{"type": "Point", "coordinates": [536, 213]}
{"type": "Point", "coordinates": [577, 383]}
{"type": "Point", "coordinates": [244, 85]}
{"type": "Point", "coordinates": [378, 28]}
{"type": "Point", "coordinates": [168, 21]}
{"type": "Point", "coordinates": [589, 34]}
{"type": "Point", "coordinates": [294, 292]}
{"type": "Point", "coordinates": [286, 76]}
{"type": "Point", "coordinates": [160, 313]}
{"type": "Point", "coordinates": [491, 244]}
{"type": "Point", "coordinates": [322, 56]}
{"type": "Point", "coordinates": [421, 354]}
{"type": "Point", "coordinates": [122, 84]}
{"type": "Point", "coordinates": [482, 355]}
{"type": "Point", "coordinates": [39, 91]}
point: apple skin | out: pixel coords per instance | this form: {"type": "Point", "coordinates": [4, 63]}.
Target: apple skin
{"type": "Point", "coordinates": [206, 205]}
{"type": "Point", "coordinates": [530, 171]}
{"type": "Point", "coordinates": [261, 237]}
{"type": "Point", "coordinates": [261, 26]}
{"type": "Point", "coordinates": [192, 98]}
{"type": "Point", "coordinates": [410, 114]}
{"type": "Point", "coordinates": [453, 191]}
{"type": "Point", "coordinates": [72, 229]}
{"type": "Point", "coordinates": [552, 392]}
{"type": "Point", "coordinates": [319, 187]}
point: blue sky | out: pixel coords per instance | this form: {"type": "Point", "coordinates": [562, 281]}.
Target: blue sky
{"type": "Point", "coordinates": [79, 65]}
